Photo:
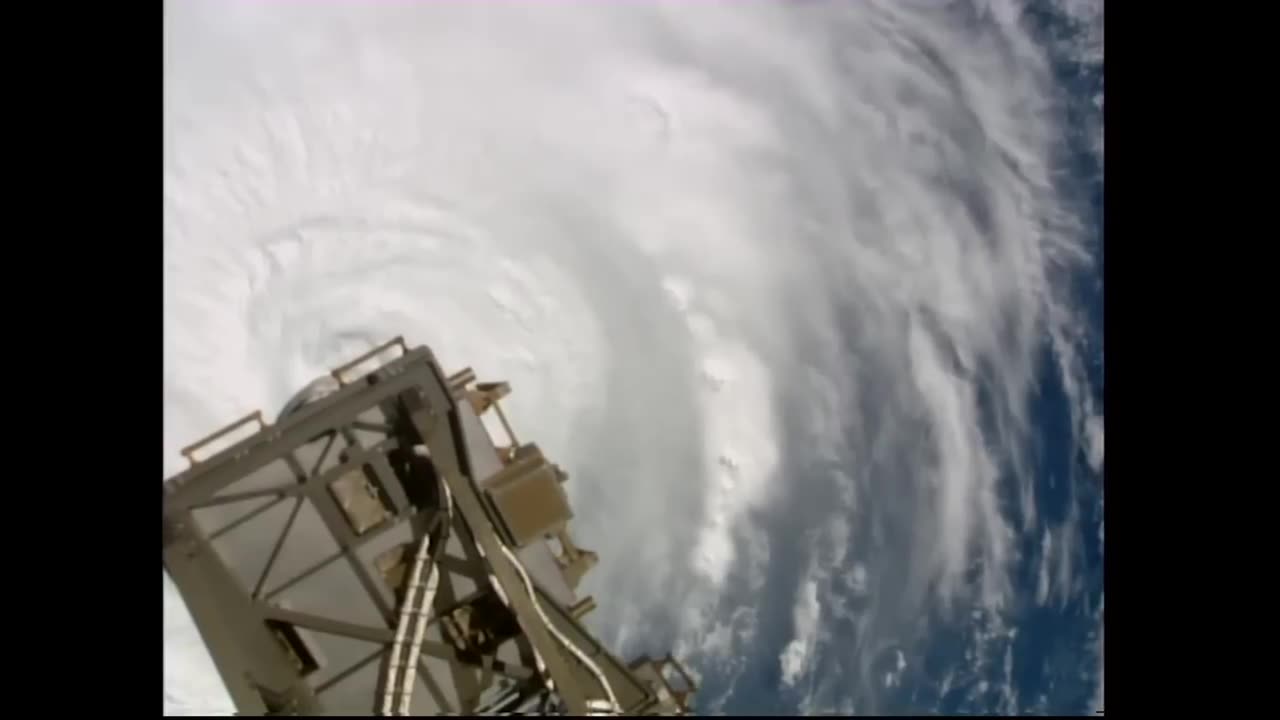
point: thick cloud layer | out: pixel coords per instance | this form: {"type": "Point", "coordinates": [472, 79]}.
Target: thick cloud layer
{"type": "Point", "coordinates": [773, 281]}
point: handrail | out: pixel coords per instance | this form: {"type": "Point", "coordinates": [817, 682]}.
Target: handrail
{"type": "Point", "coordinates": [189, 451]}
{"type": "Point", "coordinates": [397, 340]}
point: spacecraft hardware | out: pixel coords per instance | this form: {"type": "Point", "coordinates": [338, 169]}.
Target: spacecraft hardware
{"type": "Point", "coordinates": [376, 552]}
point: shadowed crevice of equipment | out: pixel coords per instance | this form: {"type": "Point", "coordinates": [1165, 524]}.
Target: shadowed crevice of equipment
{"type": "Point", "coordinates": [376, 552]}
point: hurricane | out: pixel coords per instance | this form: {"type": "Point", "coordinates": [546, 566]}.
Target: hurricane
{"type": "Point", "coordinates": [804, 295]}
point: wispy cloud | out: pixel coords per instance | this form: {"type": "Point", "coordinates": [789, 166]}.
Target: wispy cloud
{"type": "Point", "coordinates": [795, 657]}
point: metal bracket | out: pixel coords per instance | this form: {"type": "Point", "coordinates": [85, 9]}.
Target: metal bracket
{"type": "Point", "coordinates": [189, 451]}
{"type": "Point", "coordinates": [338, 371]}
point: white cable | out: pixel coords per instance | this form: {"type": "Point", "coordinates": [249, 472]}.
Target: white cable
{"type": "Point", "coordinates": [407, 617]}
{"type": "Point", "coordinates": [424, 613]}
{"type": "Point", "coordinates": [600, 708]}
{"type": "Point", "coordinates": [502, 596]}
{"type": "Point", "coordinates": [595, 707]}
{"type": "Point", "coordinates": [614, 707]}
{"type": "Point", "coordinates": [417, 614]}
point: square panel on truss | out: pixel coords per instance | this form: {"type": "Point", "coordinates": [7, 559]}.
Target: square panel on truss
{"type": "Point", "coordinates": [394, 564]}
{"type": "Point", "coordinates": [530, 504]}
{"type": "Point", "coordinates": [356, 492]}
{"type": "Point", "coordinates": [299, 645]}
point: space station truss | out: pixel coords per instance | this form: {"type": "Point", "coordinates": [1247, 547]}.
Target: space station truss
{"type": "Point", "coordinates": [375, 552]}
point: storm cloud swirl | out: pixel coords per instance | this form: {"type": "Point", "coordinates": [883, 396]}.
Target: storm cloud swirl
{"type": "Point", "coordinates": [776, 282]}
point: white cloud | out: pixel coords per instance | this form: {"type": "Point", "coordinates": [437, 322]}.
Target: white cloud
{"type": "Point", "coordinates": [1094, 437]}
{"type": "Point", "coordinates": [739, 445]}
{"type": "Point", "coordinates": [1085, 19]}
{"type": "Point", "coordinates": [858, 579]}
{"type": "Point", "coordinates": [1042, 581]}
{"type": "Point", "coordinates": [806, 614]}
{"type": "Point", "coordinates": [191, 682]}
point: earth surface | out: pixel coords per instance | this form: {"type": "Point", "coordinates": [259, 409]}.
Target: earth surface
{"type": "Point", "coordinates": [806, 296]}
